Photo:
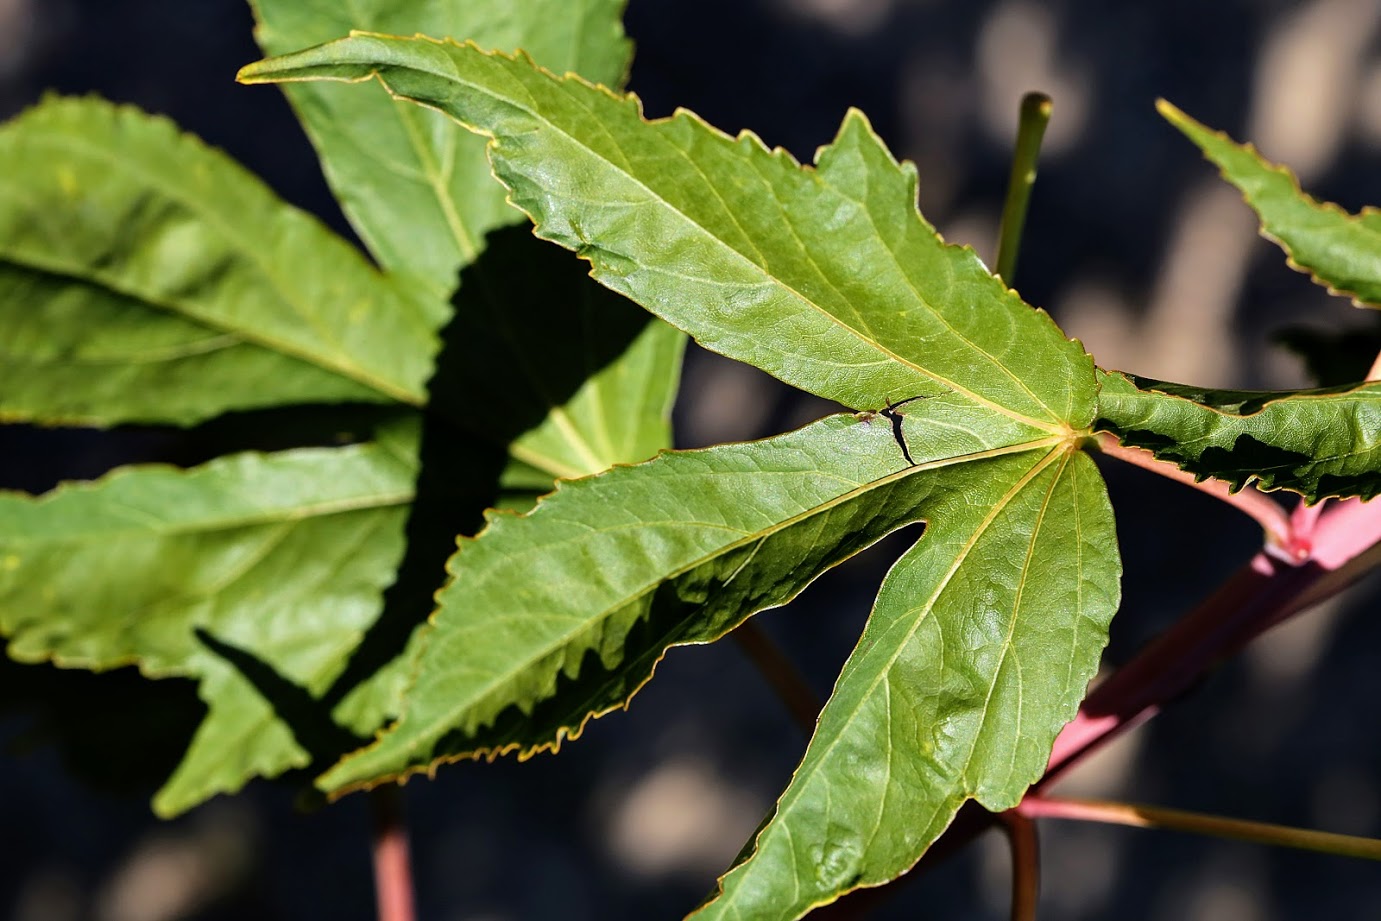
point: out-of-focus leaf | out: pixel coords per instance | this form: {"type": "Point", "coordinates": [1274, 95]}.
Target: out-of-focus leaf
{"type": "Point", "coordinates": [1340, 251]}
{"type": "Point", "coordinates": [256, 574]}
{"type": "Point", "coordinates": [1318, 443]}
{"type": "Point", "coordinates": [145, 277]}
{"type": "Point", "coordinates": [414, 184]}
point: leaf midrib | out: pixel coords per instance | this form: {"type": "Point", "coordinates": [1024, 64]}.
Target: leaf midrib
{"type": "Point", "coordinates": [1043, 425]}
{"type": "Point", "coordinates": [179, 529]}
{"type": "Point", "coordinates": [342, 363]}
{"type": "Point", "coordinates": [925, 608]}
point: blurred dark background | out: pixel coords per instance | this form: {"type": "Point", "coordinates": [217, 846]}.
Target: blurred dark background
{"type": "Point", "coordinates": [1132, 244]}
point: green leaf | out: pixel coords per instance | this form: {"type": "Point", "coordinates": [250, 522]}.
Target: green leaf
{"type": "Point", "coordinates": [1340, 251]}
{"type": "Point", "coordinates": [419, 190]}
{"type": "Point", "coordinates": [99, 343]}
{"type": "Point", "coordinates": [147, 278]}
{"type": "Point", "coordinates": [562, 614]}
{"type": "Point", "coordinates": [414, 184]}
{"type": "Point", "coordinates": [1318, 443]}
{"type": "Point", "coordinates": [827, 278]}
{"type": "Point", "coordinates": [978, 650]}
{"type": "Point", "coordinates": [255, 574]}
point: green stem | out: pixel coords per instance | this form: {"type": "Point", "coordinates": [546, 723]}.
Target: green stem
{"type": "Point", "coordinates": [1035, 114]}
{"type": "Point", "coordinates": [1140, 816]}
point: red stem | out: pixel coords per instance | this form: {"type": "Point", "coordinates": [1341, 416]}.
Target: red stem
{"type": "Point", "coordinates": [1248, 500]}
{"type": "Point", "coordinates": [1026, 865]}
{"type": "Point", "coordinates": [392, 862]}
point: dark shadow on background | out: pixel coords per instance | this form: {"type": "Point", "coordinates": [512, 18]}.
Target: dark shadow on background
{"type": "Point", "coordinates": [118, 731]}
{"type": "Point", "coordinates": [530, 327]}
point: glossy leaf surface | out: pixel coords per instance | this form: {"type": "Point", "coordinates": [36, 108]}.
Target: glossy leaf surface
{"type": "Point", "coordinates": [1339, 250]}
{"type": "Point", "coordinates": [978, 650]}
{"type": "Point", "coordinates": [563, 613]}
{"type": "Point", "coordinates": [827, 278]}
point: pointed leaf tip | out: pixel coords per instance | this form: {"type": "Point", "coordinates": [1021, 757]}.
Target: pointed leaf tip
{"type": "Point", "coordinates": [1338, 250]}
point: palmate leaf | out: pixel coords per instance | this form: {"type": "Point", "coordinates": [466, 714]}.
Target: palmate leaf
{"type": "Point", "coordinates": [978, 651]}
{"type": "Point", "coordinates": [414, 184]}
{"type": "Point", "coordinates": [827, 278]}
{"type": "Point", "coordinates": [254, 573]}
{"type": "Point", "coordinates": [147, 278]}
{"type": "Point", "coordinates": [1318, 443]}
{"type": "Point", "coordinates": [1339, 250]}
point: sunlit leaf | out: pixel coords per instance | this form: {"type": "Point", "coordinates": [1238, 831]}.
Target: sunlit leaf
{"type": "Point", "coordinates": [562, 614]}
{"type": "Point", "coordinates": [1340, 251]}
{"type": "Point", "coordinates": [828, 277]}
{"type": "Point", "coordinates": [414, 184]}
{"type": "Point", "coordinates": [978, 651]}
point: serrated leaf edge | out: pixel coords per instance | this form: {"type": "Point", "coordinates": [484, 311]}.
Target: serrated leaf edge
{"type": "Point", "coordinates": [1186, 123]}
{"type": "Point", "coordinates": [497, 516]}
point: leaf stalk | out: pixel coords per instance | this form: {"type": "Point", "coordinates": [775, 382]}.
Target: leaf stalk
{"type": "Point", "coordinates": [1281, 538]}
{"type": "Point", "coordinates": [1142, 816]}
{"type": "Point", "coordinates": [1026, 864]}
{"type": "Point", "coordinates": [392, 861]}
